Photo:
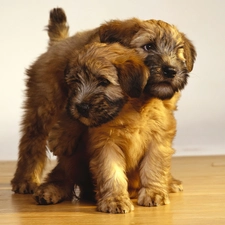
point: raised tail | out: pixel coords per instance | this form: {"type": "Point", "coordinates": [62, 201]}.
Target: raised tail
{"type": "Point", "coordinates": [57, 27]}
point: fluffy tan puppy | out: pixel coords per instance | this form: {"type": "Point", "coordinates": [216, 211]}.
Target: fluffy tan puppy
{"type": "Point", "coordinates": [130, 155]}
{"type": "Point", "coordinates": [137, 141]}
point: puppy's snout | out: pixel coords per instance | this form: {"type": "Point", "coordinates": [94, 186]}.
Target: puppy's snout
{"type": "Point", "coordinates": [83, 109]}
{"type": "Point", "coordinates": [169, 71]}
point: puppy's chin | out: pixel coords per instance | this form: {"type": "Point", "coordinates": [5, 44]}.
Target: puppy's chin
{"type": "Point", "coordinates": [162, 90]}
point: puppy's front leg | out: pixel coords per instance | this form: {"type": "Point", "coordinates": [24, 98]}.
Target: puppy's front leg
{"type": "Point", "coordinates": [154, 170]}
{"type": "Point", "coordinates": [108, 168]}
{"type": "Point", "coordinates": [57, 186]}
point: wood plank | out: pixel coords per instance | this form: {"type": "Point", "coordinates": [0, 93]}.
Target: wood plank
{"type": "Point", "coordinates": [202, 202]}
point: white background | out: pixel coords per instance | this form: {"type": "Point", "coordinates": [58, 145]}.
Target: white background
{"type": "Point", "coordinates": [201, 114]}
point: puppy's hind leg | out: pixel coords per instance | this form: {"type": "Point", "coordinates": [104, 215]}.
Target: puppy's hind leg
{"type": "Point", "coordinates": [32, 150]}
{"type": "Point", "coordinates": [40, 115]}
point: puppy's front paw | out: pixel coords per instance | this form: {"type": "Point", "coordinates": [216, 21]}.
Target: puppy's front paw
{"type": "Point", "coordinates": [148, 197]}
{"type": "Point", "coordinates": [24, 186]}
{"type": "Point", "coordinates": [48, 193]}
{"type": "Point", "coordinates": [115, 205]}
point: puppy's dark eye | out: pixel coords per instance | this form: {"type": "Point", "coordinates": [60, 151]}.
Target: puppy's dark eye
{"type": "Point", "coordinates": [148, 47]}
{"type": "Point", "coordinates": [103, 82]}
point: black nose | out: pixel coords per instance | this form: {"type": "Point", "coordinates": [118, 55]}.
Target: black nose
{"type": "Point", "coordinates": [83, 109]}
{"type": "Point", "coordinates": [169, 72]}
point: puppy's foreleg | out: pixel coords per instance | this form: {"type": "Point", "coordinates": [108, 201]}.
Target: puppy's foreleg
{"type": "Point", "coordinates": [108, 168]}
{"type": "Point", "coordinates": [56, 188]}
{"type": "Point", "coordinates": [154, 170]}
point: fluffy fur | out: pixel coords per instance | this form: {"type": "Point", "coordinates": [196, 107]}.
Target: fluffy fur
{"type": "Point", "coordinates": [130, 155]}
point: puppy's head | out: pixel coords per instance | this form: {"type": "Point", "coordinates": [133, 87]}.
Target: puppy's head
{"type": "Point", "coordinates": [167, 53]}
{"type": "Point", "coordinates": [100, 79]}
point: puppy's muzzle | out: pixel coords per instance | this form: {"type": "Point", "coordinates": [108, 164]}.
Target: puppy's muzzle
{"type": "Point", "coordinates": [83, 109]}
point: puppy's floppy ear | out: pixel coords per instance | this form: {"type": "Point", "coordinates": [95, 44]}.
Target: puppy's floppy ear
{"type": "Point", "coordinates": [119, 31]}
{"type": "Point", "coordinates": [132, 75]}
{"type": "Point", "coordinates": [189, 53]}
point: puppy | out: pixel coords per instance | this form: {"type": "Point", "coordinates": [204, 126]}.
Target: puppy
{"type": "Point", "coordinates": [95, 77]}
{"type": "Point", "coordinates": [53, 82]}
{"type": "Point", "coordinates": [130, 154]}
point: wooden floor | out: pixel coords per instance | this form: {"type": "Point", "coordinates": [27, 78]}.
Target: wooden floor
{"type": "Point", "coordinates": [202, 202]}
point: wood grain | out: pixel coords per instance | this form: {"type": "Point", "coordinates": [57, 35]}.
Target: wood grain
{"type": "Point", "coordinates": [202, 202]}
